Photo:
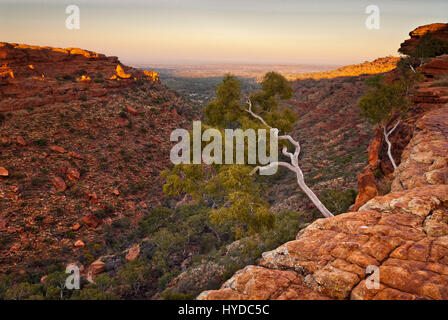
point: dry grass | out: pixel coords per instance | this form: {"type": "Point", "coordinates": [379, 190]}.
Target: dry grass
{"type": "Point", "coordinates": [442, 82]}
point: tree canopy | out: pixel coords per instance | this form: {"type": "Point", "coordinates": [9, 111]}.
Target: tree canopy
{"type": "Point", "coordinates": [235, 196]}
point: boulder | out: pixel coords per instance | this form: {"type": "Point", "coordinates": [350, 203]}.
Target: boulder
{"type": "Point", "coordinates": [133, 253]}
{"type": "Point", "coordinates": [59, 183]}
{"type": "Point", "coordinates": [3, 172]}
{"type": "Point", "coordinates": [73, 174]}
{"type": "Point", "coordinates": [79, 244]}
{"type": "Point", "coordinates": [57, 149]}
{"type": "Point", "coordinates": [437, 30]}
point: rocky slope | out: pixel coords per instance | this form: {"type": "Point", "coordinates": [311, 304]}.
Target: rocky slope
{"type": "Point", "coordinates": [379, 65]}
{"type": "Point", "coordinates": [32, 76]}
{"type": "Point", "coordinates": [83, 139]}
{"type": "Point", "coordinates": [404, 233]}
{"type": "Point", "coordinates": [333, 136]}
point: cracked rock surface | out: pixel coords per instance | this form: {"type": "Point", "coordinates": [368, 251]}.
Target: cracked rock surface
{"type": "Point", "coordinates": [404, 234]}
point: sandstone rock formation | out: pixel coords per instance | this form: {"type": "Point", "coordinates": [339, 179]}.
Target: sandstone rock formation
{"type": "Point", "coordinates": [426, 97]}
{"type": "Point", "coordinates": [67, 142]}
{"type": "Point", "coordinates": [33, 76]}
{"type": "Point", "coordinates": [437, 30]}
{"type": "Point", "coordinates": [403, 233]}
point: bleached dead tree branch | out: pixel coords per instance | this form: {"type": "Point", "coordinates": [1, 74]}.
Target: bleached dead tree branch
{"type": "Point", "coordinates": [293, 166]}
{"type": "Point", "coordinates": [389, 145]}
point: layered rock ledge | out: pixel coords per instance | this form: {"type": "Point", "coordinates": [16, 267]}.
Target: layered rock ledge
{"type": "Point", "coordinates": [404, 234]}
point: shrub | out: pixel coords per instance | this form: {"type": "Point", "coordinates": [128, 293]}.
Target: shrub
{"type": "Point", "coordinates": [338, 201]}
{"type": "Point", "coordinates": [429, 47]}
{"type": "Point", "coordinates": [438, 83]}
{"type": "Point", "coordinates": [383, 99]}
{"type": "Point", "coordinates": [41, 142]}
{"type": "Point", "coordinates": [133, 277]}
{"type": "Point", "coordinates": [170, 295]}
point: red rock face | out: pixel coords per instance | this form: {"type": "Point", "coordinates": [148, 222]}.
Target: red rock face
{"type": "Point", "coordinates": [427, 97]}
{"type": "Point", "coordinates": [437, 30]}
{"type": "Point", "coordinates": [32, 76]}
{"type": "Point", "coordinates": [403, 233]}
{"type": "Point", "coordinates": [75, 155]}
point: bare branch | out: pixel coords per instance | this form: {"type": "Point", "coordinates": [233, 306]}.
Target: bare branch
{"type": "Point", "coordinates": [273, 165]}
{"type": "Point", "coordinates": [293, 166]}
{"type": "Point", "coordinates": [389, 145]}
{"type": "Point", "coordinates": [254, 115]}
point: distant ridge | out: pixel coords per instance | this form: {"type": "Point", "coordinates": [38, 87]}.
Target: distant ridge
{"type": "Point", "coordinates": [379, 65]}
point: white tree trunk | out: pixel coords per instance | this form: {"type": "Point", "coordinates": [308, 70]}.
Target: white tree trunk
{"type": "Point", "coordinates": [293, 166]}
{"type": "Point", "coordinates": [389, 145]}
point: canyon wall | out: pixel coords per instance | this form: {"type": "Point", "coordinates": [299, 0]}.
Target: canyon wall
{"type": "Point", "coordinates": [403, 233]}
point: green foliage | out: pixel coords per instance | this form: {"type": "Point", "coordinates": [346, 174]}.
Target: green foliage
{"type": "Point", "coordinates": [429, 47]}
{"type": "Point", "coordinates": [24, 291]}
{"type": "Point", "coordinates": [235, 196]}
{"type": "Point", "coordinates": [443, 82]}
{"type": "Point", "coordinates": [100, 290]}
{"type": "Point", "coordinates": [169, 295]}
{"type": "Point", "coordinates": [226, 108]}
{"type": "Point", "coordinates": [385, 100]}
{"type": "Point", "coordinates": [230, 188]}
{"type": "Point", "coordinates": [287, 224]}
{"type": "Point", "coordinates": [133, 278]}
{"type": "Point", "coordinates": [378, 173]}
{"type": "Point", "coordinates": [227, 111]}
{"type": "Point", "coordinates": [338, 201]}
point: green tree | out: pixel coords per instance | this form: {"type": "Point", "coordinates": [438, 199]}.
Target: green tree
{"type": "Point", "coordinates": [427, 47]}
{"type": "Point", "coordinates": [235, 196]}
{"type": "Point", "coordinates": [133, 278]}
{"type": "Point", "coordinates": [385, 101]}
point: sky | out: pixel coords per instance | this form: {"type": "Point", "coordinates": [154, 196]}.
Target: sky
{"type": "Point", "coordinates": [222, 31]}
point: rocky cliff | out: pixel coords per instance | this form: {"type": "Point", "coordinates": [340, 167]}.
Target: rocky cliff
{"type": "Point", "coordinates": [437, 30]}
{"type": "Point", "coordinates": [33, 76]}
{"type": "Point", "coordinates": [82, 141]}
{"type": "Point", "coordinates": [404, 232]}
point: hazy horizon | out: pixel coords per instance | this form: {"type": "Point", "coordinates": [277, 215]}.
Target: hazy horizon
{"type": "Point", "coordinates": [263, 32]}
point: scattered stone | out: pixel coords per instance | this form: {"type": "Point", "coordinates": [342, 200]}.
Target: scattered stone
{"type": "Point", "coordinates": [96, 267]}
{"type": "Point", "coordinates": [91, 197]}
{"type": "Point", "coordinates": [79, 244]}
{"type": "Point", "coordinates": [131, 110]}
{"type": "Point", "coordinates": [3, 172]}
{"type": "Point", "coordinates": [76, 226]}
{"type": "Point", "coordinates": [133, 253]}
{"type": "Point", "coordinates": [73, 154]}
{"type": "Point", "coordinates": [58, 149]}
{"type": "Point", "coordinates": [21, 141]}
{"type": "Point", "coordinates": [73, 174]}
{"type": "Point", "coordinates": [91, 220]}
{"type": "Point", "coordinates": [59, 183]}
{"type": "Point", "coordinates": [2, 224]}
